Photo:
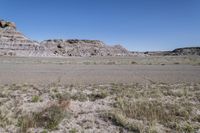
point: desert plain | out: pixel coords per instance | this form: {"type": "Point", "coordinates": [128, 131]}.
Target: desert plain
{"type": "Point", "coordinates": [100, 94]}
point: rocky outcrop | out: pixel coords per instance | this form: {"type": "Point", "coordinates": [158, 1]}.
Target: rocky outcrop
{"type": "Point", "coordinates": [186, 51]}
{"type": "Point", "coordinates": [4, 24]}
{"type": "Point", "coordinates": [14, 43]}
{"type": "Point", "coordinates": [75, 47]}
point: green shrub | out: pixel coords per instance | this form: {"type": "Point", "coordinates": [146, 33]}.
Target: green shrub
{"type": "Point", "coordinates": [35, 99]}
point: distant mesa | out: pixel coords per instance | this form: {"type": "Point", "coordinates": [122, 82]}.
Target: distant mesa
{"type": "Point", "coordinates": [14, 43]}
{"type": "Point", "coordinates": [186, 51]}
{"type": "Point", "coordinates": [176, 52]}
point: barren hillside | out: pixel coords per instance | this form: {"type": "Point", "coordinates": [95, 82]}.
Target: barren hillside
{"type": "Point", "coordinates": [14, 43]}
{"type": "Point", "coordinates": [77, 47]}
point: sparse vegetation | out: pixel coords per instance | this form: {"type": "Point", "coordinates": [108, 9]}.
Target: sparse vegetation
{"type": "Point", "coordinates": [153, 60]}
{"type": "Point", "coordinates": [153, 107]}
{"type": "Point", "coordinates": [49, 118]}
{"type": "Point", "coordinates": [88, 86]}
{"type": "Point", "coordinates": [161, 105]}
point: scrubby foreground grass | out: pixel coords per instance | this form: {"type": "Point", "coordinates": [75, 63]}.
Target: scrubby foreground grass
{"type": "Point", "coordinates": [154, 107]}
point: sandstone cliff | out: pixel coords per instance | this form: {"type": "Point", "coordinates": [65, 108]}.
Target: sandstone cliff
{"type": "Point", "coordinates": [14, 43]}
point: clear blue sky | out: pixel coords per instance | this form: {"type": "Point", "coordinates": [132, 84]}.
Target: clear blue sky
{"type": "Point", "coordinates": [139, 25]}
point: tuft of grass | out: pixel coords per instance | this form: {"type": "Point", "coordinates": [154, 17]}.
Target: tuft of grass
{"type": "Point", "coordinates": [149, 111]}
{"type": "Point", "coordinates": [176, 63]}
{"type": "Point", "coordinates": [3, 120]}
{"type": "Point", "coordinates": [120, 119]}
{"type": "Point", "coordinates": [48, 118]}
{"type": "Point", "coordinates": [133, 62]}
{"type": "Point", "coordinates": [157, 105]}
{"type": "Point", "coordinates": [99, 95]}
{"type": "Point", "coordinates": [153, 111]}
{"type": "Point", "coordinates": [44, 131]}
{"type": "Point", "coordinates": [79, 96]}
{"type": "Point", "coordinates": [63, 96]}
{"type": "Point", "coordinates": [188, 128]}
{"type": "Point", "coordinates": [26, 122]}
{"type": "Point", "coordinates": [35, 99]}
{"type": "Point", "coordinates": [73, 130]}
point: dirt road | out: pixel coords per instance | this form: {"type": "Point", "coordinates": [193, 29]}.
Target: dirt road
{"type": "Point", "coordinates": [84, 74]}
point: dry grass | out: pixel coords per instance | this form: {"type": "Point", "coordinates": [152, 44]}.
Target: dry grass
{"type": "Point", "coordinates": [153, 60]}
{"type": "Point", "coordinates": [154, 107]}
{"type": "Point", "coordinates": [48, 118]}
{"type": "Point", "coordinates": [140, 108]}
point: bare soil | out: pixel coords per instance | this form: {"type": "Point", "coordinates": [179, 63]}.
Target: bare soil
{"type": "Point", "coordinates": [95, 70]}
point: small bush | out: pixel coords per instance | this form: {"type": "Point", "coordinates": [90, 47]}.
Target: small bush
{"type": "Point", "coordinates": [50, 117]}
{"type": "Point", "coordinates": [176, 63]}
{"type": "Point", "coordinates": [98, 95]}
{"type": "Point", "coordinates": [133, 62]}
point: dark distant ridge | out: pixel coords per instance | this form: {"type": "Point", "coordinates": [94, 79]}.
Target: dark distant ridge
{"type": "Point", "coordinates": [186, 51]}
{"type": "Point", "coordinates": [176, 52]}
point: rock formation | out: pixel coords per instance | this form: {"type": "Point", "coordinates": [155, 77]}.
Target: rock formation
{"type": "Point", "coordinates": [4, 24]}
{"type": "Point", "coordinates": [83, 48]}
{"type": "Point", "coordinates": [14, 43]}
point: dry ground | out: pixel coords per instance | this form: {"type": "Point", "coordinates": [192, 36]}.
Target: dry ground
{"type": "Point", "coordinates": [86, 95]}
{"type": "Point", "coordinates": [99, 70]}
